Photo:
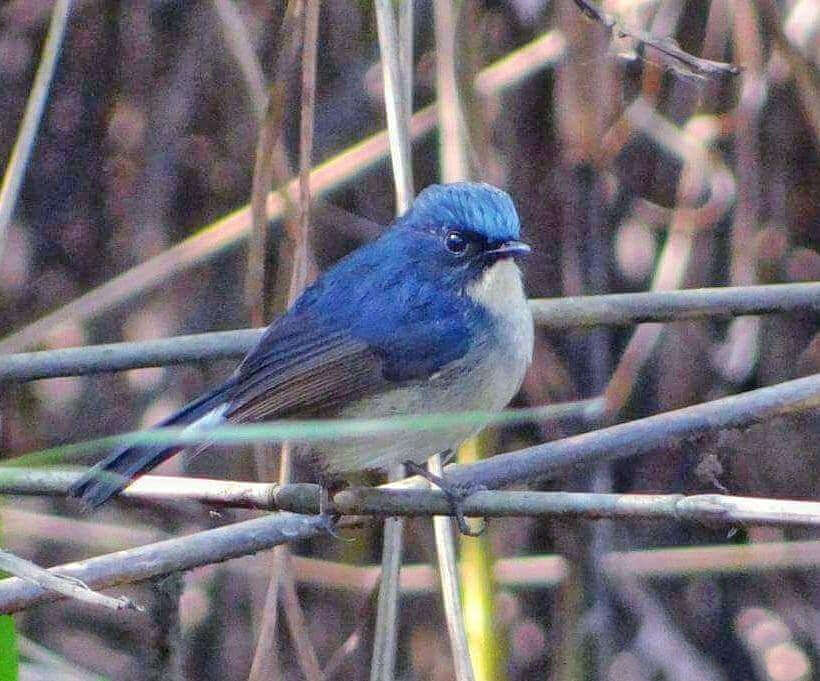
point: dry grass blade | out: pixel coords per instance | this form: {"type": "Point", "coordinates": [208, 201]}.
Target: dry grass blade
{"type": "Point", "coordinates": [297, 624]}
{"type": "Point", "coordinates": [450, 593]}
{"type": "Point", "coordinates": [308, 13]}
{"type": "Point", "coordinates": [398, 90]}
{"type": "Point", "coordinates": [395, 91]}
{"type": "Point", "coordinates": [240, 45]}
{"type": "Point", "coordinates": [265, 662]}
{"type": "Point", "coordinates": [270, 132]}
{"type": "Point", "coordinates": [383, 660]}
{"type": "Point", "coordinates": [455, 166]}
{"type": "Point", "coordinates": [20, 153]}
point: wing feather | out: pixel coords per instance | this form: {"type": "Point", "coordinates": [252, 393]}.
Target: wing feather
{"type": "Point", "coordinates": [304, 375]}
{"type": "Point", "coordinates": [359, 330]}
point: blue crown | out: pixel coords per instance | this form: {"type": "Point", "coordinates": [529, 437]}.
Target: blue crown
{"type": "Point", "coordinates": [472, 206]}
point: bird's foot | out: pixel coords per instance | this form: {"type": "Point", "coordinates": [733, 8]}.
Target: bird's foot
{"type": "Point", "coordinates": [328, 515]}
{"type": "Point", "coordinates": [455, 494]}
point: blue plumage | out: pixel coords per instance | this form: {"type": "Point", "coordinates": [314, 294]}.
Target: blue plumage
{"type": "Point", "coordinates": [429, 317]}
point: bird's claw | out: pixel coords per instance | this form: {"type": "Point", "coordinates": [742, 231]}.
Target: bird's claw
{"type": "Point", "coordinates": [329, 516]}
{"type": "Point", "coordinates": [455, 495]}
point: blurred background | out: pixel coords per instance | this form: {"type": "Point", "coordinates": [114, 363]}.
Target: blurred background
{"type": "Point", "coordinates": [630, 171]}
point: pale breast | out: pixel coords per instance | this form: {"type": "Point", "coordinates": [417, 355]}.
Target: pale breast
{"type": "Point", "coordinates": [501, 293]}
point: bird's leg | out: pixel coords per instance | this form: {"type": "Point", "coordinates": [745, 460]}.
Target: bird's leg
{"type": "Point", "coordinates": [455, 494]}
{"type": "Point", "coordinates": [327, 512]}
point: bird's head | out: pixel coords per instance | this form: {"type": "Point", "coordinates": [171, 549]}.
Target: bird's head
{"type": "Point", "coordinates": [464, 229]}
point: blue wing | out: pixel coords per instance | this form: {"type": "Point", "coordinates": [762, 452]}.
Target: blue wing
{"type": "Point", "coordinates": [359, 330]}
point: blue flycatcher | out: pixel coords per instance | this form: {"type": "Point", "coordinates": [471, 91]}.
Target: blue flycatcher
{"type": "Point", "coordinates": [430, 317]}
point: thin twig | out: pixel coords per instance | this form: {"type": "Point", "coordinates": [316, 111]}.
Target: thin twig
{"type": "Point", "coordinates": [667, 45]}
{"type": "Point", "coordinates": [642, 435]}
{"type": "Point", "coordinates": [66, 586]}
{"type": "Point", "coordinates": [678, 305]}
{"type": "Point", "coordinates": [21, 151]}
{"type": "Point", "coordinates": [552, 313]}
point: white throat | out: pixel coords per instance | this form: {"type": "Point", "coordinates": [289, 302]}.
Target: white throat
{"type": "Point", "coordinates": [500, 291]}
{"type": "Point", "coordinates": [498, 287]}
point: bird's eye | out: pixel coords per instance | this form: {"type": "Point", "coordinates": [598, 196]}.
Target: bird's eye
{"type": "Point", "coordinates": [455, 242]}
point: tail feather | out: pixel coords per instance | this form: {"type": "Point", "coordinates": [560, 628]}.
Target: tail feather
{"type": "Point", "coordinates": [116, 471]}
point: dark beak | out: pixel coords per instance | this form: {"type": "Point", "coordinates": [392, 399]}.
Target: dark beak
{"type": "Point", "coordinates": [508, 249]}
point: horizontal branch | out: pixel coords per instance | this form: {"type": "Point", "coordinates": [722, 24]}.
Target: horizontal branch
{"type": "Point", "coordinates": [94, 359]}
{"type": "Point", "coordinates": [708, 508]}
{"type": "Point", "coordinates": [171, 555]}
{"type": "Point", "coordinates": [553, 313]}
{"type": "Point", "coordinates": [670, 306]}
{"type": "Point", "coordinates": [159, 488]}
{"type": "Point", "coordinates": [403, 499]}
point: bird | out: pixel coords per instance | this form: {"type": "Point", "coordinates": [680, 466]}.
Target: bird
{"type": "Point", "coordinates": [429, 317]}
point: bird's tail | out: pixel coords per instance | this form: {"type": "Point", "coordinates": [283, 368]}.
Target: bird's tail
{"type": "Point", "coordinates": [120, 467]}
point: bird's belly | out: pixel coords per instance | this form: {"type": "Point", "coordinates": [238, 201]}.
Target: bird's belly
{"type": "Point", "coordinates": [484, 380]}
